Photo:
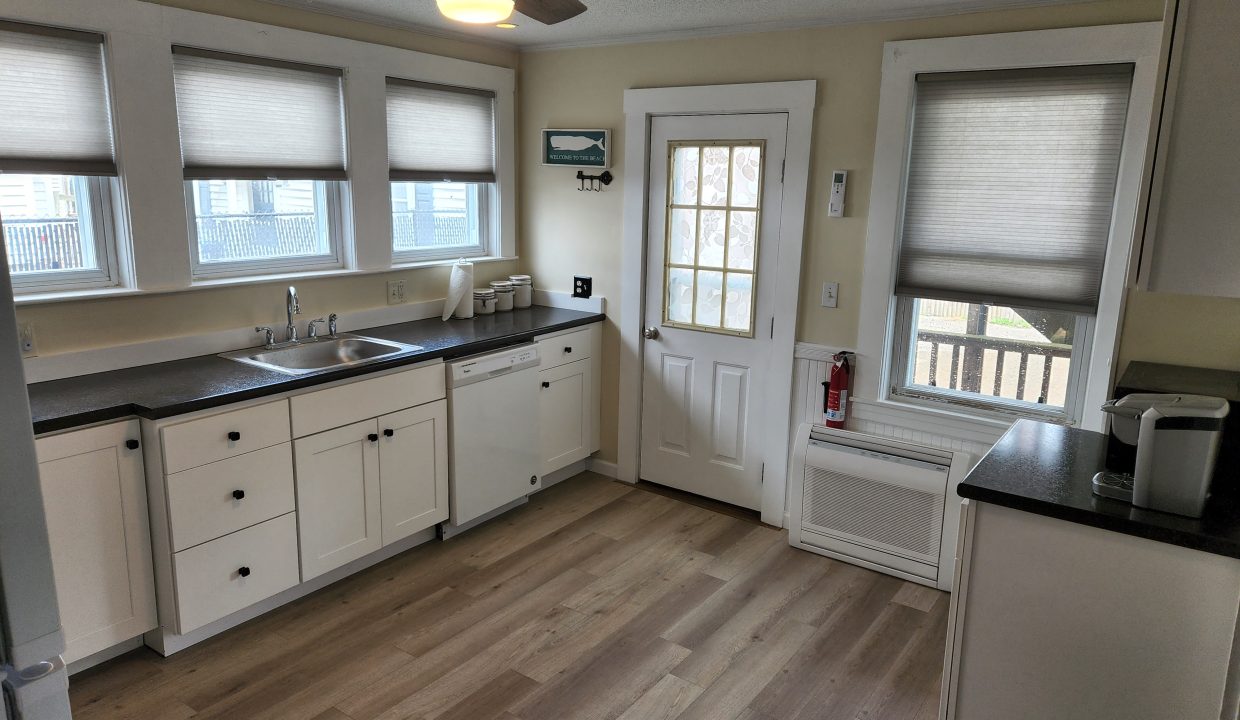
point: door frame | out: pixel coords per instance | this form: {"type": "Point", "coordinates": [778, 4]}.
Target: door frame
{"type": "Point", "coordinates": [797, 99]}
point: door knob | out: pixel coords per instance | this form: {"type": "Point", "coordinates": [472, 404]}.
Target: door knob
{"type": "Point", "coordinates": [651, 333]}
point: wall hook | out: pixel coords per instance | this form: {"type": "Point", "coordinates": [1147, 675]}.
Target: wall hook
{"type": "Point", "coordinates": [605, 178]}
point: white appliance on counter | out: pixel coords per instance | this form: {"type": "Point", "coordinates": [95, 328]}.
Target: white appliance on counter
{"type": "Point", "coordinates": [883, 504]}
{"type": "Point", "coordinates": [494, 455]}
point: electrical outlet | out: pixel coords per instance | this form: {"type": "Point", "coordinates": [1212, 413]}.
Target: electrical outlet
{"type": "Point", "coordinates": [830, 294]}
{"type": "Point", "coordinates": [583, 286]}
{"type": "Point", "coordinates": [396, 292]}
{"type": "Point", "coordinates": [25, 335]}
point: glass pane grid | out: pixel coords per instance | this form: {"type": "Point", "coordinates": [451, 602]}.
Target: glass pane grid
{"type": "Point", "coordinates": [712, 230]}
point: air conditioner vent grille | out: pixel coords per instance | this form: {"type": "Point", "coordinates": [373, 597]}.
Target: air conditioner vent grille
{"type": "Point", "coordinates": [881, 515]}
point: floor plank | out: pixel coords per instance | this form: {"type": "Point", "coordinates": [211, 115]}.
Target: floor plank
{"type": "Point", "coordinates": [595, 600]}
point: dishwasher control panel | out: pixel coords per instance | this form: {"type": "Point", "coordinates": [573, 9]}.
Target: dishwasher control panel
{"type": "Point", "coordinates": [486, 366]}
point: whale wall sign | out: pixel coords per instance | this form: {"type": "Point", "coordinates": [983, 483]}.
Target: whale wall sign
{"type": "Point", "coordinates": [577, 148]}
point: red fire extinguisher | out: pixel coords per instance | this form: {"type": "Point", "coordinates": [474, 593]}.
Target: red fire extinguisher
{"type": "Point", "coordinates": [835, 395]}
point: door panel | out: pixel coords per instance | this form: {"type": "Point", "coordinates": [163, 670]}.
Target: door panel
{"type": "Point", "coordinates": [413, 469]}
{"type": "Point", "coordinates": [337, 496]}
{"type": "Point", "coordinates": [715, 198]}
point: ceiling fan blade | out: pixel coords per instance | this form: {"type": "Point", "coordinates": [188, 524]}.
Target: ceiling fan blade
{"type": "Point", "coordinates": [550, 12]}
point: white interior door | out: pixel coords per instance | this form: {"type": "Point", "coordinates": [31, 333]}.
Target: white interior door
{"type": "Point", "coordinates": [715, 195]}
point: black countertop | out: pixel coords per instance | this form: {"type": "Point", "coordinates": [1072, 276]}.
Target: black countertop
{"type": "Point", "coordinates": [1048, 469]}
{"type": "Point", "coordinates": [181, 386]}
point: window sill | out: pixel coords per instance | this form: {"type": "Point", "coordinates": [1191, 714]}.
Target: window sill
{"type": "Point", "coordinates": [413, 264]}
{"type": "Point", "coordinates": [42, 298]}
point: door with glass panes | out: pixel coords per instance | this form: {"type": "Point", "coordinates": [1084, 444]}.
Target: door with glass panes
{"type": "Point", "coordinates": [715, 194]}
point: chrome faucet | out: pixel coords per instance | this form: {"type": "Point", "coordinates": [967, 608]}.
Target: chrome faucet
{"type": "Point", "coordinates": [293, 309]}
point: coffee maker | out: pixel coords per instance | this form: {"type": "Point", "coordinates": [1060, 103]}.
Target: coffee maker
{"type": "Point", "coordinates": [1176, 439]}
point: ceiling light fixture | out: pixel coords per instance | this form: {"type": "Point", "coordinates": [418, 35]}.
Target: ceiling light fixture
{"type": "Point", "coordinates": [476, 11]}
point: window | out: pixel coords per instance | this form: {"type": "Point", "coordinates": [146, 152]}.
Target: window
{"type": "Point", "coordinates": [1007, 215]}
{"type": "Point", "coordinates": [441, 164]}
{"type": "Point", "coordinates": [711, 254]}
{"type": "Point", "coordinates": [56, 162]}
{"type": "Point", "coordinates": [262, 142]}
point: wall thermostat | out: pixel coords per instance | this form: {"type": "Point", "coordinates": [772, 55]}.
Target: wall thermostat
{"type": "Point", "coordinates": [839, 181]}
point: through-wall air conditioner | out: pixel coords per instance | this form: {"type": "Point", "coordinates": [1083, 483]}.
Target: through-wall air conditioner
{"type": "Point", "coordinates": [883, 504]}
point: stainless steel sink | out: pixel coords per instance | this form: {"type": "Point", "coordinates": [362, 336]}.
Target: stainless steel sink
{"type": "Point", "coordinates": [322, 354]}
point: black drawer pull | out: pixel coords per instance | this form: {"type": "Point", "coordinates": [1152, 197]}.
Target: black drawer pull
{"type": "Point", "coordinates": [131, 444]}
{"type": "Point", "coordinates": [243, 571]}
{"type": "Point", "coordinates": [568, 349]}
{"type": "Point", "coordinates": [234, 435]}
{"type": "Point", "coordinates": [238, 494]}
{"type": "Point", "coordinates": [546, 384]}
{"type": "Point", "coordinates": [373, 437]}
{"type": "Point", "coordinates": [389, 432]}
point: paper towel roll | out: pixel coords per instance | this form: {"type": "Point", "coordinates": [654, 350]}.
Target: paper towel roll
{"type": "Point", "coordinates": [460, 291]}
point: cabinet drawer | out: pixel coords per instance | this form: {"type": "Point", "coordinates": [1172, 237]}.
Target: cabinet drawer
{"type": "Point", "coordinates": [209, 578]}
{"type": "Point", "coordinates": [203, 502]}
{"type": "Point", "coordinates": [569, 347]}
{"type": "Point", "coordinates": [208, 439]}
{"type": "Point", "coordinates": [346, 404]}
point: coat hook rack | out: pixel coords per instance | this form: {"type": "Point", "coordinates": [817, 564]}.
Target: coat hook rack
{"type": "Point", "coordinates": [605, 178]}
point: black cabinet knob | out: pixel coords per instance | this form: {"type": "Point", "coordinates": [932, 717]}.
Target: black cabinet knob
{"type": "Point", "coordinates": [389, 432]}
{"type": "Point", "coordinates": [546, 384]}
{"type": "Point", "coordinates": [238, 494]}
{"type": "Point", "coordinates": [243, 571]}
{"type": "Point", "coordinates": [568, 350]}
{"type": "Point", "coordinates": [234, 435]}
{"type": "Point", "coordinates": [373, 437]}
{"type": "Point", "coordinates": [131, 444]}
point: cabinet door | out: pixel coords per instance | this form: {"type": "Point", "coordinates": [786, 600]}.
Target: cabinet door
{"type": "Point", "coordinates": [565, 423]}
{"type": "Point", "coordinates": [413, 469]}
{"type": "Point", "coordinates": [95, 498]}
{"type": "Point", "coordinates": [337, 496]}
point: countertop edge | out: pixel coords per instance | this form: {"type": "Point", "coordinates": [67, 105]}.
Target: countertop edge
{"type": "Point", "coordinates": [118, 412]}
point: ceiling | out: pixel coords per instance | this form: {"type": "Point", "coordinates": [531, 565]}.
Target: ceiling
{"type": "Point", "coordinates": [616, 21]}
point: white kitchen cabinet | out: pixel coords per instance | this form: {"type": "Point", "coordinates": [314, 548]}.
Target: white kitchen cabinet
{"type": "Point", "coordinates": [566, 415]}
{"type": "Point", "coordinates": [413, 470]}
{"type": "Point", "coordinates": [569, 400]}
{"type": "Point", "coordinates": [338, 496]}
{"type": "Point", "coordinates": [95, 499]}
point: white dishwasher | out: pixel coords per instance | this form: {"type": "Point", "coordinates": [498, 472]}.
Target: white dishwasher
{"type": "Point", "coordinates": [493, 404]}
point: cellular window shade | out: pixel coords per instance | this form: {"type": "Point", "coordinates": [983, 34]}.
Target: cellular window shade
{"type": "Point", "coordinates": [250, 118]}
{"type": "Point", "coordinates": [53, 102]}
{"type": "Point", "coordinates": [1011, 185]}
{"type": "Point", "coordinates": [436, 132]}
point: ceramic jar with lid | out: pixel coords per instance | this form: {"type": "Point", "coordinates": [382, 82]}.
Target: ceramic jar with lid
{"type": "Point", "coordinates": [503, 295]}
{"type": "Point", "coordinates": [484, 301]}
{"type": "Point", "coordinates": [522, 290]}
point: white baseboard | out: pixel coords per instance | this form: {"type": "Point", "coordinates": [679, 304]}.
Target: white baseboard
{"type": "Point", "coordinates": [603, 467]}
{"type": "Point", "coordinates": [104, 655]}
{"type": "Point", "coordinates": [166, 643]}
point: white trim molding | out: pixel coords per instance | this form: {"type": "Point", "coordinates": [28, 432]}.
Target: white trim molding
{"type": "Point", "coordinates": [1136, 43]}
{"type": "Point", "coordinates": [797, 99]}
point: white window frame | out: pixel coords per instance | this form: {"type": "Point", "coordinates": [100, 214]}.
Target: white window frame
{"type": "Point", "coordinates": [486, 220]}
{"type": "Point", "coordinates": [1136, 43]}
{"type": "Point", "coordinates": [96, 216]}
{"type": "Point", "coordinates": [329, 204]}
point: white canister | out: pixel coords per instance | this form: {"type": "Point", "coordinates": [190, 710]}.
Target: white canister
{"type": "Point", "coordinates": [503, 295]}
{"type": "Point", "coordinates": [522, 290]}
{"type": "Point", "coordinates": [484, 301]}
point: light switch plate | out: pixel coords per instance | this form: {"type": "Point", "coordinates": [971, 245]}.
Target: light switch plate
{"type": "Point", "coordinates": [830, 294]}
{"type": "Point", "coordinates": [25, 335]}
{"type": "Point", "coordinates": [396, 292]}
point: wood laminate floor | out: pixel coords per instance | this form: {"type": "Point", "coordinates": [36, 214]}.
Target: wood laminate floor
{"type": "Point", "coordinates": [595, 600]}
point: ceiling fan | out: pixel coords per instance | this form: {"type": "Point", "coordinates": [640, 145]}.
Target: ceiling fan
{"type": "Point", "coordinates": [548, 12]}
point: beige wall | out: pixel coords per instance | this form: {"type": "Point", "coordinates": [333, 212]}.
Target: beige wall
{"type": "Point", "coordinates": [566, 232]}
